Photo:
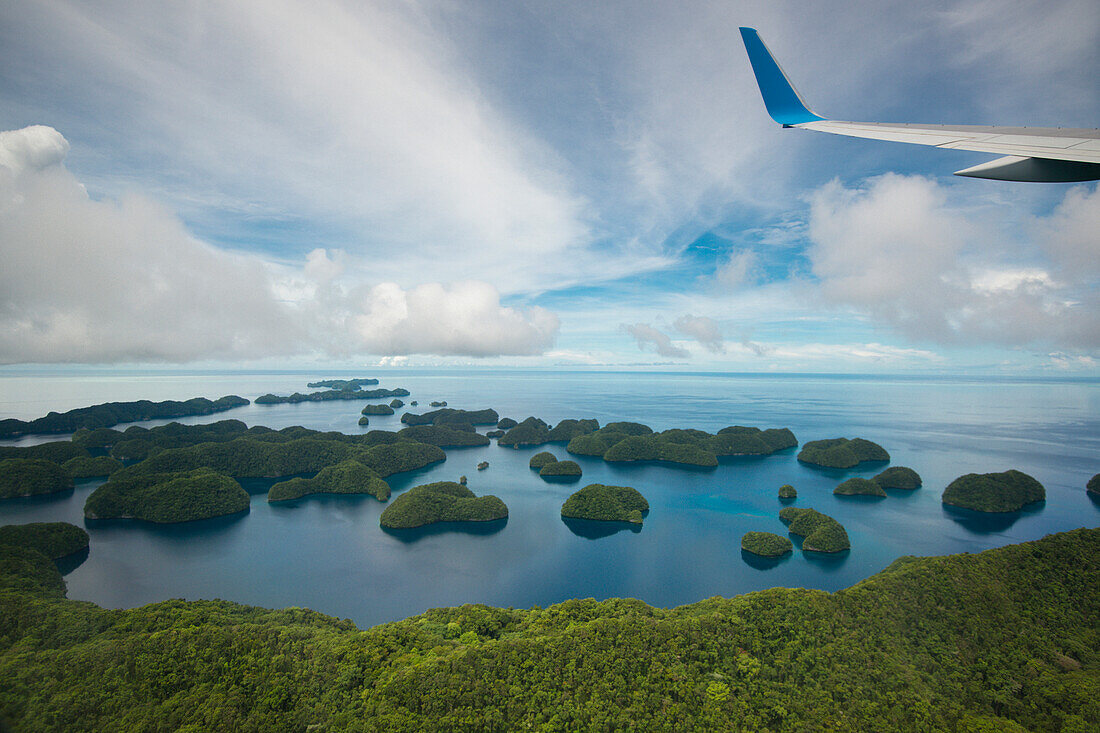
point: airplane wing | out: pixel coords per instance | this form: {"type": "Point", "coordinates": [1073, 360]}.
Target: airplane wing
{"type": "Point", "coordinates": [1040, 154]}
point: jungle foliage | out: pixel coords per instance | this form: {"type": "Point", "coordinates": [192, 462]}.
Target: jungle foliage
{"type": "Point", "coordinates": [898, 477]}
{"type": "Point", "coordinates": [859, 487]}
{"type": "Point", "coordinates": [636, 442]}
{"type": "Point", "coordinates": [32, 476]}
{"type": "Point", "coordinates": [1001, 640]}
{"type": "Point", "coordinates": [766, 544]}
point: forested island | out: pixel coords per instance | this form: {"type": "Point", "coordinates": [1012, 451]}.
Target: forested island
{"type": "Point", "coordinates": [533, 431]}
{"type": "Point", "coordinates": [604, 503]}
{"type": "Point", "coordinates": [109, 414]}
{"type": "Point", "coordinates": [55, 540]}
{"type": "Point", "coordinates": [539, 460]}
{"type": "Point", "coordinates": [841, 452]}
{"type": "Point", "coordinates": [787, 493]}
{"type": "Point", "coordinates": [377, 410]}
{"type": "Point", "coordinates": [859, 487]}
{"type": "Point", "coordinates": [452, 416]}
{"type": "Point", "coordinates": [1010, 491]}
{"type": "Point", "coordinates": [442, 501]}
{"type": "Point", "coordinates": [445, 435]}
{"type": "Point", "coordinates": [883, 655]}
{"type": "Point", "coordinates": [167, 498]}
{"type": "Point", "coordinates": [766, 544]}
{"type": "Point", "coordinates": [32, 476]}
{"type": "Point", "coordinates": [1093, 485]}
{"type": "Point", "coordinates": [627, 441]}
{"type": "Point", "coordinates": [342, 384]}
{"type": "Point", "coordinates": [819, 532]}
{"type": "Point", "coordinates": [898, 477]}
{"type": "Point", "coordinates": [330, 395]}
{"type": "Point", "coordinates": [561, 469]}
{"type": "Point", "coordinates": [346, 477]}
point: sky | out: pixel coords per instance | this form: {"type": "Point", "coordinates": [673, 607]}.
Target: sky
{"type": "Point", "coordinates": [432, 182]}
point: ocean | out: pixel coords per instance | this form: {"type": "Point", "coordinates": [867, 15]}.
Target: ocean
{"type": "Point", "coordinates": [329, 553]}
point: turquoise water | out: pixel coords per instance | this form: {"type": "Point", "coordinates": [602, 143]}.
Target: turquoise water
{"type": "Point", "coordinates": [329, 553]}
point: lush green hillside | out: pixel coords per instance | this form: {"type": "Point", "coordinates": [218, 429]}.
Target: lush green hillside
{"type": "Point", "coordinates": [55, 540]}
{"type": "Point", "coordinates": [606, 504]}
{"type": "Point", "coordinates": [346, 477]}
{"type": "Point", "coordinates": [113, 413]}
{"type": "Point", "coordinates": [984, 642]}
{"type": "Point", "coordinates": [167, 498]}
{"type": "Point", "coordinates": [91, 467]}
{"type": "Point", "coordinates": [542, 459]}
{"type": "Point", "coordinates": [787, 492]}
{"type": "Point", "coordinates": [560, 468]}
{"type": "Point", "coordinates": [57, 451]}
{"type": "Point", "coordinates": [898, 477]}
{"type": "Point", "coordinates": [766, 544]}
{"type": "Point", "coordinates": [820, 532]}
{"type": "Point", "coordinates": [443, 501]}
{"type": "Point", "coordinates": [859, 487]}
{"type": "Point", "coordinates": [841, 452]}
{"type": "Point", "coordinates": [32, 476]}
{"type": "Point", "coordinates": [994, 492]}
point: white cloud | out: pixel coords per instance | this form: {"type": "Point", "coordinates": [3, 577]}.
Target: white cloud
{"type": "Point", "coordinates": [901, 250]}
{"type": "Point", "coordinates": [647, 335]}
{"type": "Point", "coordinates": [704, 330]}
{"type": "Point", "coordinates": [104, 281]}
{"type": "Point", "coordinates": [738, 269]}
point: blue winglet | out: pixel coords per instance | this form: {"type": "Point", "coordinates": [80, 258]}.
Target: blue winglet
{"type": "Point", "coordinates": [783, 103]}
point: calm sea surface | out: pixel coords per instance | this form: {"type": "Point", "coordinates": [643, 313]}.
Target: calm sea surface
{"type": "Point", "coordinates": [329, 553]}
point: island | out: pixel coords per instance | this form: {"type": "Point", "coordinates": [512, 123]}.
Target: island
{"type": "Point", "coordinates": [483, 465]}
{"type": "Point", "coordinates": [31, 477]}
{"type": "Point", "coordinates": [1009, 491]}
{"type": "Point", "coordinates": [55, 540]}
{"type": "Point", "coordinates": [346, 477]}
{"type": "Point", "coordinates": [627, 441]}
{"type": "Point", "coordinates": [442, 501]}
{"type": "Point", "coordinates": [329, 395]}
{"type": "Point", "coordinates": [438, 404]}
{"type": "Point", "coordinates": [451, 416]}
{"type": "Point", "coordinates": [603, 503]}
{"type": "Point", "coordinates": [396, 403]}
{"type": "Point", "coordinates": [91, 467]}
{"type": "Point", "coordinates": [506, 423]}
{"type": "Point", "coordinates": [841, 452]}
{"type": "Point", "coordinates": [167, 498]}
{"type": "Point", "coordinates": [820, 532]}
{"type": "Point", "coordinates": [445, 436]}
{"type": "Point", "coordinates": [112, 413]}
{"type": "Point", "coordinates": [494, 433]}
{"type": "Point", "coordinates": [342, 384]}
{"type": "Point", "coordinates": [1093, 485]}
{"type": "Point", "coordinates": [859, 487]}
{"type": "Point", "coordinates": [787, 493]}
{"type": "Point", "coordinates": [766, 544]}
{"type": "Point", "coordinates": [561, 469]}
{"type": "Point", "coordinates": [542, 459]}
{"type": "Point", "coordinates": [531, 431]}
{"type": "Point", "coordinates": [377, 410]}
{"type": "Point", "coordinates": [898, 477]}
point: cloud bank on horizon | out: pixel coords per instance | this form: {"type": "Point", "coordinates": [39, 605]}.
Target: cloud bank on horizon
{"type": "Point", "coordinates": [539, 184]}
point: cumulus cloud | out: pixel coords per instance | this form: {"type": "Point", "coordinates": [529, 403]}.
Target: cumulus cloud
{"type": "Point", "coordinates": [704, 330]}
{"type": "Point", "coordinates": [464, 318]}
{"type": "Point", "coordinates": [647, 335]}
{"type": "Point", "coordinates": [738, 269]}
{"type": "Point", "coordinates": [898, 249]}
{"type": "Point", "coordinates": [103, 281]}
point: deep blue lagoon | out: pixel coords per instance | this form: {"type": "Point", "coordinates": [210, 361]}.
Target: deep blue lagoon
{"type": "Point", "coordinates": [329, 553]}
